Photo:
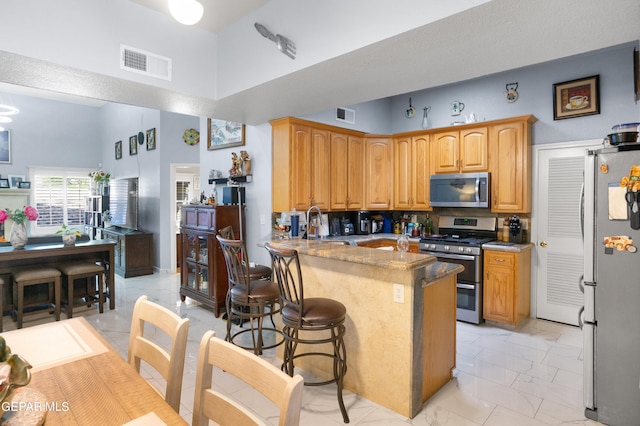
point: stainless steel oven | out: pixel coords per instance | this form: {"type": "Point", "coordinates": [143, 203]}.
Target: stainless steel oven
{"type": "Point", "coordinates": [461, 243]}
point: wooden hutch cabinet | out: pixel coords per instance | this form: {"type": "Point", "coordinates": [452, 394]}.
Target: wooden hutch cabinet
{"type": "Point", "coordinates": [203, 272]}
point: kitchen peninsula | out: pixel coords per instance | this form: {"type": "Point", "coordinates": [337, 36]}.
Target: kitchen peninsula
{"type": "Point", "coordinates": [401, 319]}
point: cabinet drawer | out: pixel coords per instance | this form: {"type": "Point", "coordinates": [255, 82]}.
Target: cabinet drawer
{"type": "Point", "coordinates": [494, 258]}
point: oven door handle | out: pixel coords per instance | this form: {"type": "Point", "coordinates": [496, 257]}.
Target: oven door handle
{"type": "Point", "coordinates": [450, 256]}
{"type": "Point", "coordinates": [466, 286]}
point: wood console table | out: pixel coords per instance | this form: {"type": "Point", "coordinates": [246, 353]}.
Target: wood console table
{"type": "Point", "coordinates": [52, 254]}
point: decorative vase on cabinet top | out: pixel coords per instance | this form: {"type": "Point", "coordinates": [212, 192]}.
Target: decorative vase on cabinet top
{"type": "Point", "coordinates": [18, 236]}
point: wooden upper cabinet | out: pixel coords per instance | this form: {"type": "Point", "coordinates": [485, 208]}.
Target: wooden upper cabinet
{"type": "Point", "coordinates": [464, 151]}
{"type": "Point", "coordinates": [511, 166]}
{"type": "Point", "coordinates": [347, 172]}
{"type": "Point", "coordinates": [378, 173]}
{"type": "Point", "coordinates": [301, 165]}
{"type": "Point", "coordinates": [411, 173]}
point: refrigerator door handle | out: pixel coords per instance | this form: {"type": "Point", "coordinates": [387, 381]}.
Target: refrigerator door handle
{"type": "Point", "coordinates": [581, 209]}
{"type": "Point", "coordinates": [588, 216]}
{"type": "Point", "coordinates": [588, 364]}
{"type": "Point", "coordinates": [581, 283]}
{"type": "Point", "coordinates": [580, 321]}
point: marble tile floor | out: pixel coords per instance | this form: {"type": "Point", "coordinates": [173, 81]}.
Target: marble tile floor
{"type": "Point", "coordinates": [529, 376]}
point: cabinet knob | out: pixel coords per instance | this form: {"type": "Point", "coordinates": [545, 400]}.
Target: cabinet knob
{"type": "Point", "coordinates": [543, 244]}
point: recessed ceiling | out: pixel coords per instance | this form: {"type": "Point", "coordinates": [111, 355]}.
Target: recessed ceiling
{"type": "Point", "coordinates": [218, 14]}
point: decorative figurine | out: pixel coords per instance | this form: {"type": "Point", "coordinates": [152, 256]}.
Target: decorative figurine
{"type": "Point", "coordinates": [235, 166]}
{"type": "Point", "coordinates": [246, 163]}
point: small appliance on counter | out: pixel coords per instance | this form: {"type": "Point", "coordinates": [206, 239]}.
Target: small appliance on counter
{"type": "Point", "coordinates": [515, 230]}
{"type": "Point", "coordinates": [230, 195]}
{"type": "Point", "coordinates": [363, 224]}
{"type": "Point", "coordinates": [377, 224]}
{"type": "Point", "coordinates": [346, 227]}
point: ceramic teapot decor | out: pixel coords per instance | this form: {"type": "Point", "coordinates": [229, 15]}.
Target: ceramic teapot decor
{"type": "Point", "coordinates": [511, 94]}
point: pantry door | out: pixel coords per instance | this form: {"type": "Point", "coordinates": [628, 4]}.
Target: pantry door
{"type": "Point", "coordinates": [557, 229]}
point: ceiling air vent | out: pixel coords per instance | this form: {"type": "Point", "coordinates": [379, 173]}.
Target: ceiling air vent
{"type": "Point", "coordinates": [141, 62]}
{"type": "Point", "coordinates": [346, 115]}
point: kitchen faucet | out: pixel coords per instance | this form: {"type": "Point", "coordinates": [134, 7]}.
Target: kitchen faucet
{"type": "Point", "coordinates": [309, 223]}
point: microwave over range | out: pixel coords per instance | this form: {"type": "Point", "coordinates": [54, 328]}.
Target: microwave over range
{"type": "Point", "coordinates": [459, 190]}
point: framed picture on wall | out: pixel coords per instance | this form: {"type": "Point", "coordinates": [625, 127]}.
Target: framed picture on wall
{"type": "Point", "coordinates": [133, 145]}
{"type": "Point", "coordinates": [4, 183]}
{"type": "Point", "coordinates": [224, 134]}
{"type": "Point", "coordinates": [5, 147]}
{"type": "Point", "coordinates": [151, 139]}
{"type": "Point", "coordinates": [576, 98]}
{"type": "Point", "coordinates": [24, 185]}
{"type": "Point", "coordinates": [118, 150]}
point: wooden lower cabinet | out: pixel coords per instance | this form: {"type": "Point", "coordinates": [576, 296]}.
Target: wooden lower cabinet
{"type": "Point", "coordinates": [507, 286]}
{"type": "Point", "coordinates": [133, 252]}
{"type": "Point", "coordinates": [203, 271]}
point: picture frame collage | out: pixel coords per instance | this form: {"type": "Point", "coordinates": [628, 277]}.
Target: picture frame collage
{"type": "Point", "coordinates": [139, 139]}
{"type": "Point", "coordinates": [14, 182]}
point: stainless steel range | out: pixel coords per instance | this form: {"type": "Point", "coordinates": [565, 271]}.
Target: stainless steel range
{"type": "Point", "coordinates": [460, 241]}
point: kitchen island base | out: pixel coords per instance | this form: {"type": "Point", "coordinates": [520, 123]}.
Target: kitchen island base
{"type": "Point", "coordinates": [398, 353]}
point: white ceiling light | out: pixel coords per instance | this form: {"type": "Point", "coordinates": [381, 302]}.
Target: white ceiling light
{"type": "Point", "coordinates": [4, 119]}
{"type": "Point", "coordinates": [187, 12]}
{"type": "Point", "coordinates": [8, 110]}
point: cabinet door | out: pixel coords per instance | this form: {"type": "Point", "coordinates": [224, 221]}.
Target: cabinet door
{"type": "Point", "coordinates": [473, 150]}
{"type": "Point", "coordinates": [499, 287]}
{"type": "Point", "coordinates": [378, 173]}
{"type": "Point", "coordinates": [355, 173]}
{"type": "Point", "coordinates": [403, 173]}
{"type": "Point", "coordinates": [300, 179]}
{"type": "Point", "coordinates": [510, 169]}
{"type": "Point", "coordinates": [445, 152]}
{"type": "Point", "coordinates": [339, 171]}
{"type": "Point", "coordinates": [320, 164]}
{"type": "Point", "coordinates": [420, 173]}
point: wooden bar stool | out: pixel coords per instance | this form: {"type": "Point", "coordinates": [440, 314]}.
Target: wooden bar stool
{"type": "Point", "coordinates": [34, 275]}
{"type": "Point", "coordinates": [94, 276]}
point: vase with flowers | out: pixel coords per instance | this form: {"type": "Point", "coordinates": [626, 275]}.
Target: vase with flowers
{"type": "Point", "coordinates": [18, 236]}
{"type": "Point", "coordinates": [100, 181]}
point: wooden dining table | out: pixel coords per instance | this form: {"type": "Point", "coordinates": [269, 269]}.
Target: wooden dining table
{"type": "Point", "coordinates": [82, 380]}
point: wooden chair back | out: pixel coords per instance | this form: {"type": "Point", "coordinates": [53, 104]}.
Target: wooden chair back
{"type": "Point", "coordinates": [169, 363]}
{"type": "Point", "coordinates": [210, 404]}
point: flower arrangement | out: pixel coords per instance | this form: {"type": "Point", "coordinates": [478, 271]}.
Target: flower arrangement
{"type": "Point", "coordinates": [100, 176]}
{"type": "Point", "coordinates": [19, 216]}
{"type": "Point", "coordinates": [65, 230]}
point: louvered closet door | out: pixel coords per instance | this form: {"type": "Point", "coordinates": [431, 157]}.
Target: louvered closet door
{"type": "Point", "coordinates": [559, 238]}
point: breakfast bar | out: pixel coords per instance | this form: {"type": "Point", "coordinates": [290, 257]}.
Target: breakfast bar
{"type": "Point", "coordinates": [401, 319]}
{"type": "Point", "coordinates": [52, 254]}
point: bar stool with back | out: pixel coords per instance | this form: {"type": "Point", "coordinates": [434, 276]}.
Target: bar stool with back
{"type": "Point", "coordinates": [256, 272]}
{"type": "Point", "coordinates": [248, 299]}
{"type": "Point", "coordinates": [321, 316]}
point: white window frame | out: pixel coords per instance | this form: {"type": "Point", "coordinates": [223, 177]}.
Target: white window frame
{"type": "Point", "coordinates": [52, 171]}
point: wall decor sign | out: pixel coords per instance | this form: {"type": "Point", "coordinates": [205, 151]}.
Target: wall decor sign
{"type": "Point", "coordinates": [151, 139]}
{"type": "Point", "coordinates": [5, 147]}
{"type": "Point", "coordinates": [224, 134]}
{"type": "Point", "coordinates": [576, 98]}
{"type": "Point", "coordinates": [133, 145]}
{"type": "Point", "coordinates": [118, 150]}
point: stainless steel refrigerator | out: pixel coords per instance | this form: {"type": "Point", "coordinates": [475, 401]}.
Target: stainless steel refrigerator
{"type": "Point", "coordinates": [610, 318]}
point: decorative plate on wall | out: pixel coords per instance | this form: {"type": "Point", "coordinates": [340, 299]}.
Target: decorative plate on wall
{"type": "Point", "coordinates": [191, 137]}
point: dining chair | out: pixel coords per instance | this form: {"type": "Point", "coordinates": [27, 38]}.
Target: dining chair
{"type": "Point", "coordinates": [248, 299]}
{"type": "Point", "coordinates": [321, 321]}
{"type": "Point", "coordinates": [210, 404]}
{"type": "Point", "coordinates": [170, 364]}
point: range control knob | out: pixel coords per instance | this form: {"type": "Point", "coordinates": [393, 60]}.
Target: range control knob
{"type": "Point", "coordinates": [469, 250]}
{"type": "Point", "coordinates": [461, 249]}
{"type": "Point", "coordinates": [447, 248]}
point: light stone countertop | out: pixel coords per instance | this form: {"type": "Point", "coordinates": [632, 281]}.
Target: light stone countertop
{"type": "Point", "coordinates": [505, 246]}
{"type": "Point", "coordinates": [333, 249]}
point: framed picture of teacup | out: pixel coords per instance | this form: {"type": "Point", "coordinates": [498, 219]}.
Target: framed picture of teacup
{"type": "Point", "coordinates": [576, 98]}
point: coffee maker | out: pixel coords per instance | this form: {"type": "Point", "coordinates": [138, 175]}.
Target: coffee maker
{"type": "Point", "coordinates": [363, 223]}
